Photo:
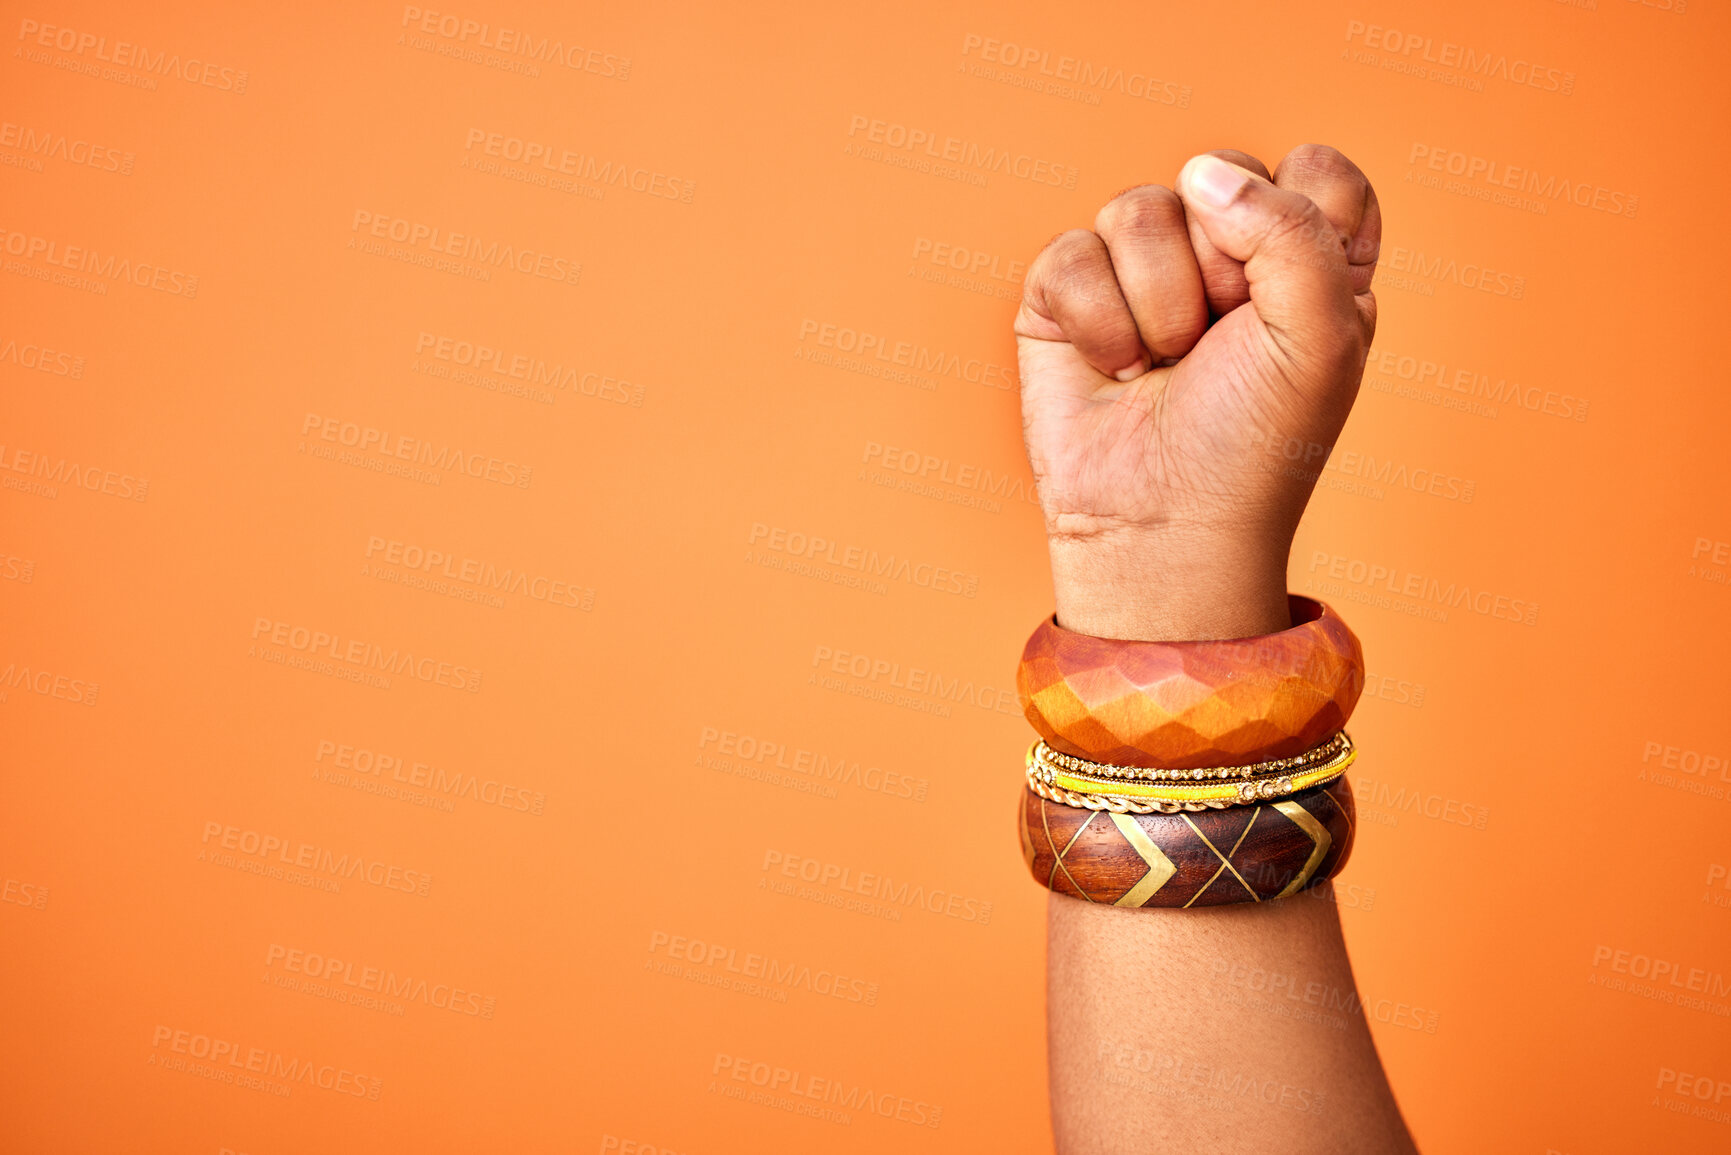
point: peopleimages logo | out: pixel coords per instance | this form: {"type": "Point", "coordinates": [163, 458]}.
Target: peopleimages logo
{"type": "Point", "coordinates": [879, 887]}
{"type": "Point", "coordinates": [781, 976]}
{"type": "Point", "coordinates": [167, 1042]}
{"type": "Point", "coordinates": [1418, 594]}
{"type": "Point", "coordinates": [1381, 802]}
{"type": "Point", "coordinates": [966, 260]}
{"type": "Point", "coordinates": [927, 145]}
{"type": "Point", "coordinates": [878, 677]}
{"type": "Point", "coordinates": [331, 970]}
{"type": "Point", "coordinates": [438, 241]}
{"type": "Point", "coordinates": [45, 473]}
{"type": "Point", "coordinates": [489, 365]}
{"type": "Point", "coordinates": [1500, 175]}
{"type": "Point", "coordinates": [1070, 76]}
{"type": "Point", "coordinates": [368, 442]}
{"type": "Point", "coordinates": [860, 560]}
{"type": "Point", "coordinates": [109, 267]}
{"type": "Point", "coordinates": [586, 167]}
{"type": "Point", "coordinates": [482, 577]}
{"type": "Point", "coordinates": [41, 358]}
{"type": "Point", "coordinates": [134, 56]}
{"type": "Point", "coordinates": [36, 680]}
{"type": "Point", "coordinates": [34, 896]}
{"type": "Point", "coordinates": [43, 143]}
{"type": "Point", "coordinates": [1694, 1086]}
{"type": "Point", "coordinates": [520, 43]}
{"type": "Point", "coordinates": [801, 1086]}
{"type": "Point", "coordinates": [751, 756]}
{"type": "Point", "coordinates": [1460, 62]}
{"type": "Point", "coordinates": [1692, 980]}
{"type": "Point", "coordinates": [915, 471]}
{"type": "Point", "coordinates": [308, 856]}
{"type": "Point", "coordinates": [1196, 1082]}
{"type": "Point", "coordinates": [908, 355]}
{"type": "Point", "coordinates": [1472, 384]}
{"type": "Point", "coordinates": [1447, 270]}
{"type": "Point", "coordinates": [367, 655]}
{"type": "Point", "coordinates": [443, 783]}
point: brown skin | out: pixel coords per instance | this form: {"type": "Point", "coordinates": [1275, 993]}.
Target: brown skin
{"type": "Point", "coordinates": [1173, 362]}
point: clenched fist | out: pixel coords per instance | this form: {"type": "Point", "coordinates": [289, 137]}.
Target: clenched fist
{"type": "Point", "coordinates": [1167, 358]}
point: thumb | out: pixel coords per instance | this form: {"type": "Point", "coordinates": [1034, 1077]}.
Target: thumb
{"type": "Point", "coordinates": [1294, 259]}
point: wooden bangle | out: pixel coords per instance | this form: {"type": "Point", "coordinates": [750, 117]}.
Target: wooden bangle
{"type": "Point", "coordinates": [1242, 854]}
{"type": "Point", "coordinates": [1179, 705]}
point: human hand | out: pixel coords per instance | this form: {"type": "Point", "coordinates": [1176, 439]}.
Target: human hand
{"type": "Point", "coordinates": [1168, 359]}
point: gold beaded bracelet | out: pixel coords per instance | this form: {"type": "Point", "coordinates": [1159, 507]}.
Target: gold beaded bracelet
{"type": "Point", "coordinates": [1074, 781]}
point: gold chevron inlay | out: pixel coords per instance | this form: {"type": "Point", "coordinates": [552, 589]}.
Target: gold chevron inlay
{"type": "Point", "coordinates": [1058, 855]}
{"type": "Point", "coordinates": [1225, 860]}
{"type": "Point", "coordinates": [1318, 834]}
{"type": "Point", "coordinates": [1160, 868]}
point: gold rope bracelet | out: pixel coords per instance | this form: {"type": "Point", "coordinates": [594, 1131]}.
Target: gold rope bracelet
{"type": "Point", "coordinates": [1054, 776]}
{"type": "Point", "coordinates": [1316, 755]}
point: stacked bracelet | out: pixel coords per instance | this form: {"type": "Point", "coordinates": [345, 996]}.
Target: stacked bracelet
{"type": "Point", "coordinates": [1097, 786]}
{"type": "Point", "coordinates": [1193, 704]}
{"type": "Point", "coordinates": [1240, 854]}
{"type": "Point", "coordinates": [1136, 737]}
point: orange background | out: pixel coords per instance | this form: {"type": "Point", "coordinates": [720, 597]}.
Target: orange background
{"type": "Point", "coordinates": [1537, 905]}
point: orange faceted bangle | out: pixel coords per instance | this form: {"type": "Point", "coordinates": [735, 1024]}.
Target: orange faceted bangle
{"type": "Point", "coordinates": [1182, 705]}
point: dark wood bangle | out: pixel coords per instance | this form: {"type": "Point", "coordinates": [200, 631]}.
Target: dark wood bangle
{"type": "Point", "coordinates": [1240, 854]}
{"type": "Point", "coordinates": [1186, 705]}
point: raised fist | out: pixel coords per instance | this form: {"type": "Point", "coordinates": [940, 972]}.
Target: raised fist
{"type": "Point", "coordinates": [1169, 359]}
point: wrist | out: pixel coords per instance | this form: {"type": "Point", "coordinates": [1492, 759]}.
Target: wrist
{"type": "Point", "coordinates": [1155, 588]}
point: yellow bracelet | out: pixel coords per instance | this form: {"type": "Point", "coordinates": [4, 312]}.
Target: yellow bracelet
{"type": "Point", "coordinates": [1233, 785]}
{"type": "Point", "coordinates": [1082, 767]}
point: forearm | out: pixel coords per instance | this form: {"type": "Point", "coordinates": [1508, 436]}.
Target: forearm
{"type": "Point", "coordinates": [1159, 589]}
{"type": "Point", "coordinates": [1163, 355]}
{"type": "Point", "coordinates": [1175, 1029]}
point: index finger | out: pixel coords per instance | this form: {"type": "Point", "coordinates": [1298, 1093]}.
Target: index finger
{"type": "Point", "coordinates": [1344, 194]}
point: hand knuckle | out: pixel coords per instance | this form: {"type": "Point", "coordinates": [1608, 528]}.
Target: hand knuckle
{"type": "Point", "coordinates": [1145, 209]}
{"type": "Point", "coordinates": [1302, 224]}
{"type": "Point", "coordinates": [1321, 160]}
{"type": "Point", "coordinates": [1060, 254]}
{"type": "Point", "coordinates": [1073, 267]}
